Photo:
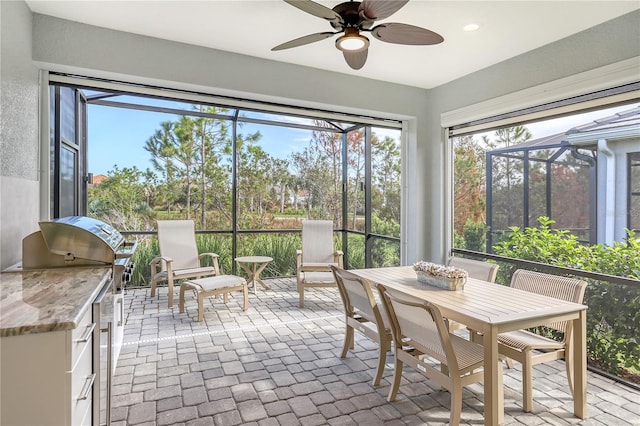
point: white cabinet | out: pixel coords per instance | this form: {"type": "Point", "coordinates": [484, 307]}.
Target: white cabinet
{"type": "Point", "coordinates": [47, 378]}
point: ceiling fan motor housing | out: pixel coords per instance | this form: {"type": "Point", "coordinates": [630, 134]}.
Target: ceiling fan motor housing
{"type": "Point", "coordinates": [351, 17]}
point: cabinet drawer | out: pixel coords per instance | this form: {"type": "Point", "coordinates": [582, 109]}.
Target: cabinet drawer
{"type": "Point", "coordinates": [82, 385]}
{"type": "Point", "coordinates": [81, 337]}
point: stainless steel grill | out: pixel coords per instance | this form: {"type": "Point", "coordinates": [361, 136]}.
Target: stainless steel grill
{"type": "Point", "coordinates": [79, 241]}
{"type": "Point", "coordinates": [74, 240]}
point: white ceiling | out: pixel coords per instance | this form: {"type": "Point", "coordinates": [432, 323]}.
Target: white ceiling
{"type": "Point", "coordinates": [507, 29]}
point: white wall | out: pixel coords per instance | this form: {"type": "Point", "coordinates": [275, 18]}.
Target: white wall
{"type": "Point", "coordinates": [66, 46]}
{"type": "Point", "coordinates": [19, 142]}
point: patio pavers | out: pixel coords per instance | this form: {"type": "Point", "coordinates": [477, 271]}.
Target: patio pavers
{"type": "Point", "coordinates": [277, 364]}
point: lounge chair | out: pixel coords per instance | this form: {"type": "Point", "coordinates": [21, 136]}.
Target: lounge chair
{"type": "Point", "coordinates": [179, 258]}
{"type": "Point", "coordinates": [317, 256]}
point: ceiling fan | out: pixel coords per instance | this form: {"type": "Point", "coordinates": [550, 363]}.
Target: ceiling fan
{"type": "Point", "coordinates": [353, 18]}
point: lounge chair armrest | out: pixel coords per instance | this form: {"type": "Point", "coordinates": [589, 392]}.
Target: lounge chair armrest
{"type": "Point", "coordinates": [159, 259]}
{"type": "Point", "coordinates": [214, 258]}
{"type": "Point", "coordinates": [211, 255]}
{"type": "Point", "coordinates": [156, 264]}
{"type": "Point", "coordinates": [337, 257]}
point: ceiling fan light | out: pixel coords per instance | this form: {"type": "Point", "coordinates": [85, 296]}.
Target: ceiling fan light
{"type": "Point", "coordinates": [352, 43]}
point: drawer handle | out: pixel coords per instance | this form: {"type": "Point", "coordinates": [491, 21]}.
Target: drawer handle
{"type": "Point", "coordinates": [88, 384]}
{"type": "Point", "coordinates": [87, 334]}
{"type": "Point", "coordinates": [121, 312]}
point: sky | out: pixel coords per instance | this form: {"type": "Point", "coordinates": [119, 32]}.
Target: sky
{"type": "Point", "coordinates": [116, 136]}
{"type": "Point", "coordinates": [114, 131]}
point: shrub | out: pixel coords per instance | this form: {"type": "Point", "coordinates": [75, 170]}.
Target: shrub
{"type": "Point", "coordinates": [475, 236]}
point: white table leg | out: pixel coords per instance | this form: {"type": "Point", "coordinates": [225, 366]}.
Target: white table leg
{"type": "Point", "coordinates": [250, 274]}
{"type": "Point", "coordinates": [493, 404]}
{"type": "Point", "coordinates": [580, 365]}
{"type": "Point", "coordinates": [256, 275]}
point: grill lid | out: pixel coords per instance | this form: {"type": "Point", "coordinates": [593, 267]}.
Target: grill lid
{"type": "Point", "coordinates": [80, 237]}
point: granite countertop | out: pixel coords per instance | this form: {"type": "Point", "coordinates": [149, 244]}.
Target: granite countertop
{"type": "Point", "coordinates": [39, 301]}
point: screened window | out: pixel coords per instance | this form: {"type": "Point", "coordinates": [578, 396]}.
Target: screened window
{"type": "Point", "coordinates": [246, 177]}
{"type": "Point", "coordinates": [516, 176]}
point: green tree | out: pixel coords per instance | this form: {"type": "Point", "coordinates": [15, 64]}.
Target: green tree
{"type": "Point", "coordinates": [386, 174]}
{"type": "Point", "coordinates": [508, 172]}
{"type": "Point", "coordinates": [355, 177]}
{"type": "Point", "coordinates": [469, 178]}
{"type": "Point", "coordinates": [328, 145]}
{"type": "Point", "coordinates": [314, 180]}
{"type": "Point", "coordinates": [210, 136]}
{"type": "Point", "coordinates": [119, 199]}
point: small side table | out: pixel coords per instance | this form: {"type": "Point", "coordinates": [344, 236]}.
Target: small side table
{"type": "Point", "coordinates": [253, 266]}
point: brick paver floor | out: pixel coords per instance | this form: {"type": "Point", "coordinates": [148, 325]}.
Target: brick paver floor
{"type": "Point", "coordinates": [277, 364]}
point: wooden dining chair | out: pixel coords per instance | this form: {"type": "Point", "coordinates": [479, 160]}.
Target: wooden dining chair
{"type": "Point", "coordinates": [365, 314]}
{"type": "Point", "coordinates": [531, 349]}
{"type": "Point", "coordinates": [479, 270]}
{"type": "Point", "coordinates": [419, 334]}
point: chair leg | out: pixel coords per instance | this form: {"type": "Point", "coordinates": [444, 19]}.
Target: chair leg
{"type": "Point", "coordinates": [509, 362]}
{"type": "Point", "coordinates": [200, 306]}
{"type": "Point", "coordinates": [245, 290]}
{"type": "Point", "coordinates": [444, 369]}
{"type": "Point", "coordinates": [181, 302]}
{"type": "Point", "coordinates": [348, 341]}
{"type": "Point", "coordinates": [225, 297]}
{"type": "Point", "coordinates": [527, 387]}
{"type": "Point", "coordinates": [568, 358]}
{"type": "Point", "coordinates": [301, 295]}
{"type": "Point", "coordinates": [382, 359]}
{"type": "Point", "coordinates": [153, 287]}
{"type": "Point", "coordinates": [456, 405]}
{"type": "Point", "coordinates": [170, 285]}
{"type": "Point", "coordinates": [397, 376]}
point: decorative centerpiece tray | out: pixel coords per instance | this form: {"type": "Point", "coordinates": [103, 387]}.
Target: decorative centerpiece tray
{"type": "Point", "coordinates": [448, 278]}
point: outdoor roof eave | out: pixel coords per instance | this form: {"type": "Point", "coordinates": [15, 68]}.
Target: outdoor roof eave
{"type": "Point", "coordinates": [520, 147]}
{"type": "Point", "coordinates": [593, 136]}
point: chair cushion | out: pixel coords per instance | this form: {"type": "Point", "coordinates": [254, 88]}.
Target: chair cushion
{"type": "Point", "coordinates": [318, 277]}
{"type": "Point", "coordinates": [218, 282]}
{"type": "Point", "coordinates": [317, 266]}
{"type": "Point", "coordinates": [525, 340]}
{"type": "Point", "coordinates": [194, 272]}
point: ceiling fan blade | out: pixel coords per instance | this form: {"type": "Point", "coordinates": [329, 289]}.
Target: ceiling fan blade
{"type": "Point", "coordinates": [356, 60]}
{"type": "Point", "coordinates": [380, 9]}
{"type": "Point", "coordinates": [315, 9]}
{"type": "Point", "coordinates": [405, 34]}
{"type": "Point", "coordinates": [311, 38]}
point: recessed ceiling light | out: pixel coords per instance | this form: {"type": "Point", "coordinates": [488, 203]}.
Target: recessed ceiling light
{"type": "Point", "coordinates": [471, 27]}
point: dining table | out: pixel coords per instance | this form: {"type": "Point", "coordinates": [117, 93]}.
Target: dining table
{"type": "Point", "coordinates": [492, 309]}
